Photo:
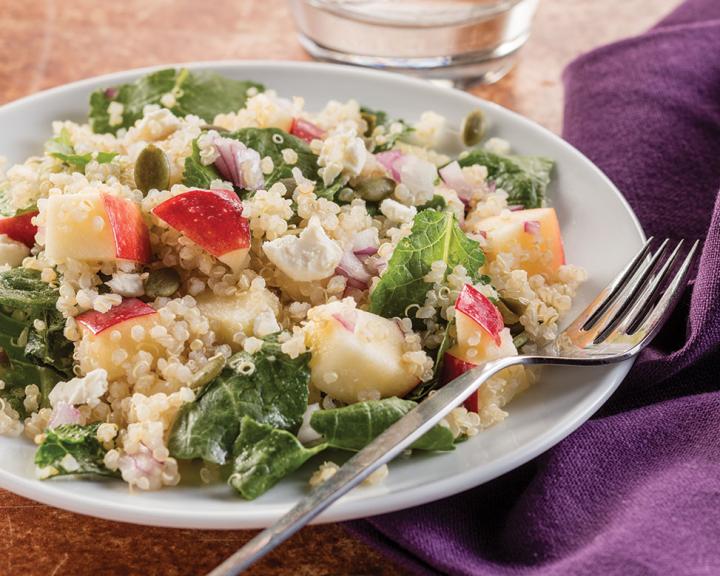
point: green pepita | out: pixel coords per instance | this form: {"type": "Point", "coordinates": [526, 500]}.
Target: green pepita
{"type": "Point", "coordinates": [473, 128]}
{"type": "Point", "coordinates": [207, 373]}
{"type": "Point", "coordinates": [520, 340]}
{"type": "Point", "coordinates": [152, 170]}
{"type": "Point", "coordinates": [376, 189]}
{"type": "Point", "coordinates": [162, 282]}
{"type": "Point", "coordinates": [509, 317]}
{"type": "Point", "coordinates": [371, 121]}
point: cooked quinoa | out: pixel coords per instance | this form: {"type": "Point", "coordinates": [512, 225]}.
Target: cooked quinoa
{"type": "Point", "coordinates": [325, 263]}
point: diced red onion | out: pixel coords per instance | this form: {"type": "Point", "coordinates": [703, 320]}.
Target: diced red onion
{"type": "Point", "coordinates": [454, 178]}
{"type": "Point", "coordinates": [482, 233]}
{"type": "Point", "coordinates": [238, 164]}
{"type": "Point", "coordinates": [64, 413]}
{"type": "Point", "coordinates": [368, 251]}
{"type": "Point", "coordinates": [110, 93]}
{"type": "Point", "coordinates": [352, 268]}
{"type": "Point", "coordinates": [516, 207]}
{"type": "Point", "coordinates": [248, 162]}
{"type": "Point", "coordinates": [306, 130]}
{"type": "Point", "coordinates": [347, 322]}
{"type": "Point", "coordinates": [365, 243]}
{"type": "Point", "coordinates": [392, 161]}
{"type": "Point", "coordinates": [143, 461]}
{"type": "Point", "coordinates": [357, 284]}
{"type": "Point", "coordinates": [532, 227]}
{"type": "Point", "coordinates": [227, 166]}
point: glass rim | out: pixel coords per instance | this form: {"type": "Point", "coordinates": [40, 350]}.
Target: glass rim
{"type": "Point", "coordinates": [344, 9]}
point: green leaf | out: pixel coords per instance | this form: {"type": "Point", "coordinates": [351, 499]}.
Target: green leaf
{"type": "Point", "coordinates": [437, 202]}
{"type": "Point", "coordinates": [196, 174]}
{"type": "Point", "coordinates": [105, 157]}
{"type": "Point", "coordinates": [376, 118]}
{"type": "Point", "coordinates": [78, 161]}
{"type": "Point", "coordinates": [263, 455]}
{"type": "Point", "coordinates": [25, 298]}
{"type": "Point", "coordinates": [435, 236]}
{"type": "Point", "coordinates": [266, 142]}
{"type": "Point", "coordinates": [524, 178]}
{"type": "Point", "coordinates": [207, 94]}
{"type": "Point", "coordinates": [74, 440]}
{"type": "Point", "coordinates": [353, 427]}
{"type": "Point", "coordinates": [61, 147]}
{"type": "Point", "coordinates": [275, 393]}
{"type": "Point", "coordinates": [204, 94]}
{"type": "Point", "coordinates": [420, 392]}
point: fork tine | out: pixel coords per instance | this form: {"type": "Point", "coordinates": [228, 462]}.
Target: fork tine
{"type": "Point", "coordinates": [650, 318]}
{"type": "Point", "coordinates": [590, 321]}
{"type": "Point", "coordinates": [597, 307]}
{"type": "Point", "coordinates": [640, 293]}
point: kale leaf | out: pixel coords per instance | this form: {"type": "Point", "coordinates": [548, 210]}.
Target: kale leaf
{"type": "Point", "coordinates": [353, 427]}
{"type": "Point", "coordinates": [204, 94]}
{"type": "Point", "coordinates": [434, 236]}
{"type": "Point", "coordinates": [25, 298]}
{"type": "Point", "coordinates": [196, 174]}
{"type": "Point", "coordinates": [275, 392]}
{"type": "Point", "coordinates": [420, 392]}
{"type": "Point", "coordinates": [524, 178]}
{"type": "Point", "coordinates": [375, 118]}
{"type": "Point", "coordinates": [263, 455]}
{"type": "Point", "coordinates": [61, 147]}
{"type": "Point", "coordinates": [72, 449]}
{"type": "Point", "coordinates": [30, 356]}
{"type": "Point", "coordinates": [266, 142]}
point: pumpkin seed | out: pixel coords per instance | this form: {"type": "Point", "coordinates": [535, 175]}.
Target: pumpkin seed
{"type": "Point", "coordinates": [162, 282]}
{"type": "Point", "coordinates": [520, 340]}
{"type": "Point", "coordinates": [207, 373]}
{"type": "Point", "coordinates": [516, 305]}
{"type": "Point", "coordinates": [509, 317]}
{"type": "Point", "coordinates": [152, 170]}
{"type": "Point", "coordinates": [473, 128]}
{"type": "Point", "coordinates": [376, 189]}
{"type": "Point", "coordinates": [371, 121]}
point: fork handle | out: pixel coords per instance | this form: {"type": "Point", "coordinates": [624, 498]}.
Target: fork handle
{"type": "Point", "coordinates": [384, 448]}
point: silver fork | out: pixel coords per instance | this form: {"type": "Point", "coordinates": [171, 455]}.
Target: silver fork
{"type": "Point", "coordinates": [620, 321]}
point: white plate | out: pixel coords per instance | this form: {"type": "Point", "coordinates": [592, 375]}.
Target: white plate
{"type": "Point", "coordinates": [601, 233]}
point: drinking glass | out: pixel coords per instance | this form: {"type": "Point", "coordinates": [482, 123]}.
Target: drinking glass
{"type": "Point", "coordinates": [459, 40]}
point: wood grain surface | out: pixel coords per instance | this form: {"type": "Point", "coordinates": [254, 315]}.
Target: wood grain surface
{"type": "Point", "coordinates": [48, 43]}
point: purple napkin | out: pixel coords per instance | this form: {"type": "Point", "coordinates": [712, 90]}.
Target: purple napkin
{"type": "Point", "coordinates": [636, 490]}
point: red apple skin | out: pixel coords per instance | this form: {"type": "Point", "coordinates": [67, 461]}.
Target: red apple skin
{"type": "Point", "coordinates": [478, 307]}
{"type": "Point", "coordinates": [306, 130]}
{"type": "Point", "coordinates": [20, 228]}
{"type": "Point", "coordinates": [454, 367]}
{"type": "Point", "coordinates": [132, 239]}
{"type": "Point", "coordinates": [211, 218]}
{"type": "Point", "coordinates": [129, 308]}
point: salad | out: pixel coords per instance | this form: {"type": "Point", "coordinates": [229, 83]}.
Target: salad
{"type": "Point", "coordinates": [208, 276]}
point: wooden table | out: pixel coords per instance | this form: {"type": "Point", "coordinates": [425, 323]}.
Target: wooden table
{"type": "Point", "coordinates": [47, 43]}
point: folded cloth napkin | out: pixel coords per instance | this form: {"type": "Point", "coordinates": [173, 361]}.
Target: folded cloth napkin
{"type": "Point", "coordinates": [636, 490]}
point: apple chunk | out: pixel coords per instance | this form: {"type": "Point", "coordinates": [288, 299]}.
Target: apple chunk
{"type": "Point", "coordinates": [213, 220]}
{"type": "Point", "coordinates": [531, 236]}
{"type": "Point", "coordinates": [357, 355]}
{"type": "Point", "coordinates": [105, 333]}
{"type": "Point", "coordinates": [229, 315]}
{"type": "Point", "coordinates": [20, 228]}
{"type": "Point", "coordinates": [492, 395]}
{"type": "Point", "coordinates": [475, 314]}
{"type": "Point", "coordinates": [95, 227]}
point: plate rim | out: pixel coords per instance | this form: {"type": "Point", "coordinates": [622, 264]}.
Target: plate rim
{"type": "Point", "coordinates": [346, 509]}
